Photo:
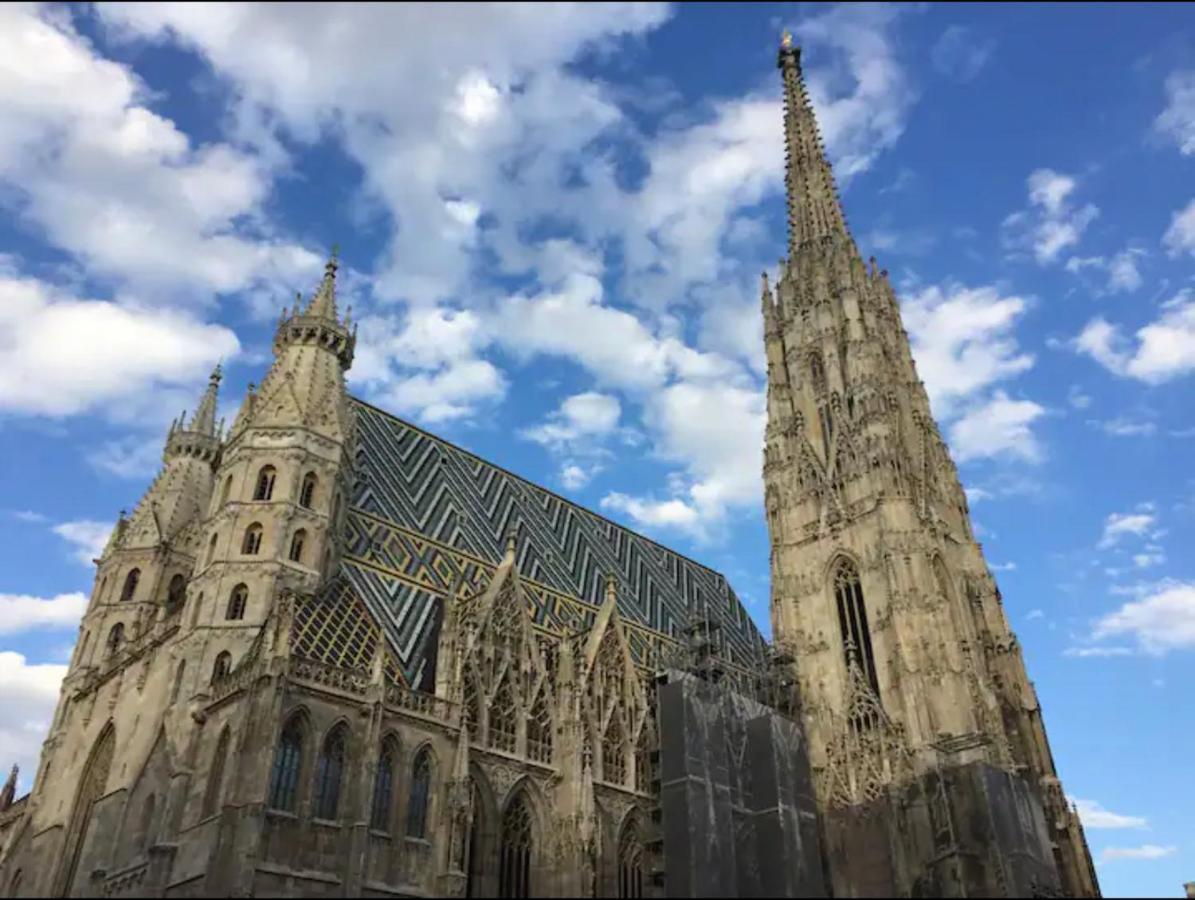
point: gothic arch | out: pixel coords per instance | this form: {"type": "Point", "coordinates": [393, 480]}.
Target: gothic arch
{"type": "Point", "coordinates": [629, 856]}
{"type": "Point", "coordinates": [291, 753]}
{"type": "Point", "coordinates": [480, 850]}
{"type": "Point", "coordinates": [385, 783]}
{"type": "Point", "coordinates": [421, 791]}
{"type": "Point", "coordinates": [92, 786]}
{"type": "Point", "coordinates": [850, 605]}
{"type": "Point", "coordinates": [520, 839]}
{"type": "Point", "coordinates": [332, 762]}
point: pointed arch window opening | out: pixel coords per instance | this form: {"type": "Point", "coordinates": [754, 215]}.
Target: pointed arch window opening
{"type": "Point", "coordinates": [503, 718]}
{"type": "Point", "coordinates": [116, 639]}
{"type": "Point", "coordinates": [264, 489]}
{"type": "Point", "coordinates": [222, 666]}
{"type": "Point", "coordinates": [284, 778]}
{"type": "Point", "coordinates": [329, 774]}
{"type": "Point", "coordinates": [91, 787]}
{"type": "Point", "coordinates": [539, 730]}
{"type": "Point", "coordinates": [296, 546]}
{"type": "Point", "coordinates": [614, 752]}
{"type": "Point", "coordinates": [421, 776]}
{"type": "Point", "coordinates": [237, 601]}
{"type": "Point", "coordinates": [211, 549]}
{"type": "Point", "coordinates": [307, 491]}
{"type": "Point", "coordinates": [856, 634]}
{"type": "Point", "coordinates": [252, 542]}
{"type": "Point", "coordinates": [176, 595]}
{"type": "Point", "coordinates": [383, 789]}
{"type": "Point", "coordinates": [630, 863]}
{"type": "Point", "coordinates": [516, 846]}
{"type": "Point", "coordinates": [129, 591]}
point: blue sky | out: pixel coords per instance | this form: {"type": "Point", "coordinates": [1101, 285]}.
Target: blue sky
{"type": "Point", "coordinates": [552, 222]}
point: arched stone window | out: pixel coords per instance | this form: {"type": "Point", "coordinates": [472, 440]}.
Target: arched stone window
{"type": "Point", "coordinates": [176, 595]}
{"type": "Point", "coordinates": [130, 585]}
{"type": "Point", "coordinates": [92, 786]}
{"type": "Point", "coordinates": [515, 847]}
{"type": "Point", "coordinates": [179, 671]}
{"type": "Point", "coordinates": [852, 622]}
{"type": "Point", "coordinates": [503, 718]}
{"type": "Point", "coordinates": [296, 545]}
{"type": "Point", "coordinates": [215, 778]}
{"type": "Point", "coordinates": [116, 638]}
{"type": "Point", "coordinates": [614, 752]}
{"type": "Point", "coordinates": [284, 778]}
{"type": "Point", "coordinates": [237, 602]}
{"type": "Point", "coordinates": [222, 666]}
{"type": "Point", "coordinates": [421, 781]}
{"type": "Point", "coordinates": [539, 730]}
{"type": "Point", "coordinates": [211, 550]}
{"type": "Point", "coordinates": [383, 786]}
{"type": "Point", "coordinates": [252, 542]}
{"type": "Point", "coordinates": [264, 489]}
{"type": "Point", "coordinates": [307, 491]}
{"type": "Point", "coordinates": [630, 862]}
{"type": "Point", "coordinates": [328, 773]}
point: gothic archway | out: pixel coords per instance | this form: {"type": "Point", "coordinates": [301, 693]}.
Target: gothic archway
{"type": "Point", "coordinates": [92, 786]}
{"type": "Point", "coordinates": [516, 848]}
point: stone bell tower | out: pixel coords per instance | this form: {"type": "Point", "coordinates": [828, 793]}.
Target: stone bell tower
{"type": "Point", "coordinates": [930, 756]}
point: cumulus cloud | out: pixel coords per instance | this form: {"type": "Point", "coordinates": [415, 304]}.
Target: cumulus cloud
{"type": "Point", "coordinates": [28, 694]}
{"type": "Point", "coordinates": [580, 418]}
{"type": "Point", "coordinates": [66, 355]}
{"type": "Point", "coordinates": [1122, 271]}
{"type": "Point", "coordinates": [1176, 123]}
{"type": "Point", "coordinates": [1000, 426]}
{"type": "Point", "coordinates": [1160, 621]}
{"type": "Point", "coordinates": [1164, 349]}
{"type": "Point", "coordinates": [1052, 223]}
{"type": "Point", "coordinates": [21, 612]}
{"type": "Point", "coordinates": [89, 538]}
{"type": "Point", "coordinates": [1140, 522]}
{"type": "Point", "coordinates": [1093, 815]}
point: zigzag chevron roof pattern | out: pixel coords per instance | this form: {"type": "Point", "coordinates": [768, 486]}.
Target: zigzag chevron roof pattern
{"type": "Point", "coordinates": [428, 521]}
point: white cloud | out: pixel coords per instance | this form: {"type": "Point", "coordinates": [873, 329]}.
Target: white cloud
{"type": "Point", "coordinates": [28, 694]}
{"type": "Point", "coordinates": [1177, 121]}
{"type": "Point", "coordinates": [88, 537]}
{"type": "Point", "coordinates": [21, 612]}
{"type": "Point", "coordinates": [976, 494]}
{"type": "Point", "coordinates": [1161, 621]}
{"type": "Point", "coordinates": [1123, 274]}
{"type": "Point", "coordinates": [1122, 427]}
{"type": "Point", "coordinates": [116, 185]}
{"type": "Point", "coordinates": [1052, 223]}
{"type": "Point", "coordinates": [1180, 236]}
{"type": "Point", "coordinates": [960, 53]}
{"type": "Point", "coordinates": [962, 340]}
{"type": "Point", "coordinates": [998, 427]}
{"type": "Point", "coordinates": [1095, 816]}
{"type": "Point", "coordinates": [1139, 523]}
{"type": "Point", "coordinates": [1098, 652]}
{"type": "Point", "coordinates": [1003, 567]}
{"type": "Point", "coordinates": [128, 457]}
{"type": "Point", "coordinates": [654, 513]}
{"type": "Point", "coordinates": [64, 355]}
{"type": "Point", "coordinates": [1152, 555]}
{"type": "Point", "coordinates": [581, 418]}
{"type": "Point", "coordinates": [1165, 348]}
{"type": "Point", "coordinates": [1076, 398]}
{"type": "Point", "coordinates": [1146, 851]}
{"type": "Point", "coordinates": [575, 477]}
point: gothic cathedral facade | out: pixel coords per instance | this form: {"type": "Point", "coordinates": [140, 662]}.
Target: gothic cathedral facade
{"type": "Point", "coordinates": [331, 654]}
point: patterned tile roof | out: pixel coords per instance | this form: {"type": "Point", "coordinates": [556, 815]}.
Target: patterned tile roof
{"type": "Point", "coordinates": [428, 521]}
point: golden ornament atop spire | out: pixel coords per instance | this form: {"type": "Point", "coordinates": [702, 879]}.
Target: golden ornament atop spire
{"type": "Point", "coordinates": [786, 40]}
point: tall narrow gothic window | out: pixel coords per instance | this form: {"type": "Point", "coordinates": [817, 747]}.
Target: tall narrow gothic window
{"type": "Point", "coordinates": [296, 545]}
{"type": "Point", "coordinates": [130, 585]}
{"type": "Point", "coordinates": [614, 753]}
{"type": "Point", "coordinates": [284, 779]}
{"type": "Point", "coordinates": [630, 863]}
{"type": "Point", "coordinates": [215, 778]}
{"type": "Point", "coordinates": [252, 542]}
{"type": "Point", "coordinates": [236, 602]}
{"type": "Point", "coordinates": [503, 718]}
{"type": "Point", "coordinates": [307, 492]}
{"type": "Point", "coordinates": [176, 595]}
{"type": "Point", "coordinates": [328, 773]}
{"type": "Point", "coordinates": [222, 666]}
{"type": "Point", "coordinates": [515, 848]}
{"type": "Point", "coordinates": [539, 730]}
{"type": "Point", "coordinates": [421, 779]}
{"type": "Point", "coordinates": [383, 787]}
{"type": "Point", "coordinates": [211, 550]}
{"type": "Point", "coordinates": [116, 638]}
{"type": "Point", "coordinates": [264, 489]}
{"type": "Point", "coordinates": [852, 621]}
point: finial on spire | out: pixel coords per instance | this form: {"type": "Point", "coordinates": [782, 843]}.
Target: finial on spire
{"type": "Point", "coordinates": [323, 304]}
{"type": "Point", "coordinates": [204, 420]}
{"type": "Point", "coordinates": [786, 40]}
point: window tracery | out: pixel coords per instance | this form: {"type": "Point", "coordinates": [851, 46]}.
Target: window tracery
{"type": "Point", "coordinates": [328, 774]}
{"type": "Point", "coordinates": [284, 779]}
{"type": "Point", "coordinates": [264, 489]}
{"type": "Point", "coordinates": [515, 850]}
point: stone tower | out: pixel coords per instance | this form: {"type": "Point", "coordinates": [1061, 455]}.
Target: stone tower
{"type": "Point", "coordinates": [930, 756]}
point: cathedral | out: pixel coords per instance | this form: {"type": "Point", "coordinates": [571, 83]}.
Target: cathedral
{"type": "Point", "coordinates": [331, 654]}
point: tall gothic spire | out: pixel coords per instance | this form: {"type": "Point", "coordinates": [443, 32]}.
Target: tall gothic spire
{"type": "Point", "coordinates": [323, 304]}
{"type": "Point", "coordinates": [204, 420]}
{"type": "Point", "coordinates": [814, 212]}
